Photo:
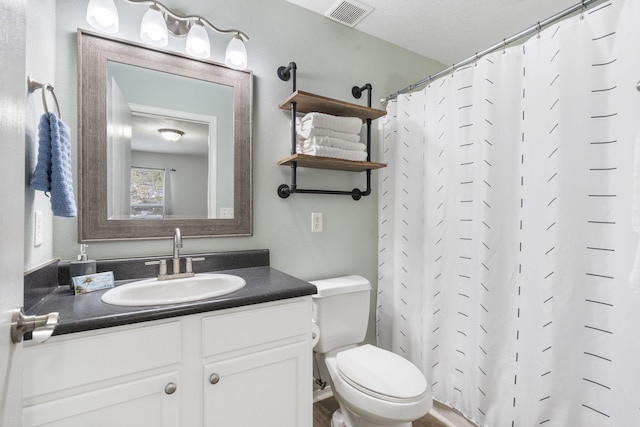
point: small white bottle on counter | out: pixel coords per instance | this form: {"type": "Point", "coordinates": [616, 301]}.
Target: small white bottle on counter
{"type": "Point", "coordinates": [82, 266]}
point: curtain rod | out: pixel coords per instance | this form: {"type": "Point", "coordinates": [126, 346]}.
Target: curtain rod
{"type": "Point", "coordinates": [534, 28]}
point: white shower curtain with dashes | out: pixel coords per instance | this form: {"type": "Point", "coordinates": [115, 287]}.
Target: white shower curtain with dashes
{"type": "Point", "coordinates": [505, 228]}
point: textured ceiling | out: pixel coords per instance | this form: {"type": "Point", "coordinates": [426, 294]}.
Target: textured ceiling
{"type": "Point", "coordinates": [448, 31]}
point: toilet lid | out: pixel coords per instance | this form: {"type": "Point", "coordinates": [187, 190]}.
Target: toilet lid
{"type": "Point", "coordinates": [381, 373]}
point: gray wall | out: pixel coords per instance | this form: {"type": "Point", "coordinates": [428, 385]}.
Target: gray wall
{"type": "Point", "coordinates": [331, 58]}
{"type": "Point", "coordinates": [41, 66]}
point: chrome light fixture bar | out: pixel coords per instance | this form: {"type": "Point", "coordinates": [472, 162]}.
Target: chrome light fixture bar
{"type": "Point", "coordinates": [159, 21]}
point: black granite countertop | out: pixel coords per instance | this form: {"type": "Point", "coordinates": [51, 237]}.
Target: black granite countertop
{"type": "Point", "coordinates": [86, 312]}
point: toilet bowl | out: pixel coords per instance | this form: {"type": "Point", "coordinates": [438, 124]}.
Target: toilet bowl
{"type": "Point", "coordinates": [377, 388]}
{"type": "Point", "coordinates": [374, 387]}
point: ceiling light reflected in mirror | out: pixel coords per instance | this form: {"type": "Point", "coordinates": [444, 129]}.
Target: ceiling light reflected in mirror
{"type": "Point", "coordinates": [171, 135]}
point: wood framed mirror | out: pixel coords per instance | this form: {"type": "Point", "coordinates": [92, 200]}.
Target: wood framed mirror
{"type": "Point", "coordinates": [135, 182]}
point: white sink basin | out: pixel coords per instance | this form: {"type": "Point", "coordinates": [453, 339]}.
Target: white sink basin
{"type": "Point", "coordinates": [173, 291]}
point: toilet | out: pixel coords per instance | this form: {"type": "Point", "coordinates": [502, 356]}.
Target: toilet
{"type": "Point", "coordinates": [374, 387]}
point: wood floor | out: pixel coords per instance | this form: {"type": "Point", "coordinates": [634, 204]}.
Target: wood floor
{"type": "Point", "coordinates": [322, 415]}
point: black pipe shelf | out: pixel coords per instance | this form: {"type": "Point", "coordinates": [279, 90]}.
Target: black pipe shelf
{"type": "Point", "coordinates": [317, 162]}
{"type": "Point", "coordinates": [309, 102]}
{"type": "Point", "coordinates": [300, 102]}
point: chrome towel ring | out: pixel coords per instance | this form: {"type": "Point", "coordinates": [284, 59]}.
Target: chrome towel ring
{"type": "Point", "coordinates": [34, 85]}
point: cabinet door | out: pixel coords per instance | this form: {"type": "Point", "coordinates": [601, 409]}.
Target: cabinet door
{"type": "Point", "coordinates": [140, 403]}
{"type": "Point", "coordinates": [268, 389]}
{"type": "Point", "coordinates": [96, 357]}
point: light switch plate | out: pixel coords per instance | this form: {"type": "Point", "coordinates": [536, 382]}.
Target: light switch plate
{"type": "Point", "coordinates": [226, 212]}
{"type": "Point", "coordinates": [38, 219]}
{"type": "Point", "coordinates": [316, 222]}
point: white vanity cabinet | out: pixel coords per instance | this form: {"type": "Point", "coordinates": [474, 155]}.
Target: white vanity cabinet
{"type": "Point", "coordinates": [241, 367]}
{"type": "Point", "coordinates": [88, 379]}
{"type": "Point", "coordinates": [268, 386]}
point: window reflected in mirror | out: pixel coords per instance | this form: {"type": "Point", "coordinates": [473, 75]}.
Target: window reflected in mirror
{"type": "Point", "coordinates": [148, 194]}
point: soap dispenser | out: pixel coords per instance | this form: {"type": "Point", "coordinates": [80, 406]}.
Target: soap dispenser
{"type": "Point", "coordinates": [82, 266]}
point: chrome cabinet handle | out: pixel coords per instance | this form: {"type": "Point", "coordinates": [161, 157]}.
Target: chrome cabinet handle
{"type": "Point", "coordinates": [214, 378]}
{"type": "Point", "coordinates": [41, 326]}
{"type": "Point", "coordinates": [170, 388]}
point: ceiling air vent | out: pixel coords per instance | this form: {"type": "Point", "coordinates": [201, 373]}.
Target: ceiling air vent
{"type": "Point", "coordinates": [348, 12]}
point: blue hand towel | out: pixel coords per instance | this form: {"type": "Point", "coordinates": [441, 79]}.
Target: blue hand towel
{"type": "Point", "coordinates": [41, 178]}
{"type": "Point", "coordinates": [53, 171]}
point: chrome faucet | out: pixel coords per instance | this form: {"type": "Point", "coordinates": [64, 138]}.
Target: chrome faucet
{"type": "Point", "coordinates": [175, 274]}
{"type": "Point", "coordinates": [177, 245]}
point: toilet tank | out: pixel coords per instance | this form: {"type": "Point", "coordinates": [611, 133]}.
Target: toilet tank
{"type": "Point", "coordinates": [341, 311]}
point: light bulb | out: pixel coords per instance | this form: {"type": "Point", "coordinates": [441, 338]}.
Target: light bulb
{"type": "Point", "coordinates": [236, 54]}
{"type": "Point", "coordinates": [103, 15]}
{"type": "Point", "coordinates": [171, 135]}
{"type": "Point", "coordinates": [198, 41]}
{"type": "Point", "coordinates": [153, 29]}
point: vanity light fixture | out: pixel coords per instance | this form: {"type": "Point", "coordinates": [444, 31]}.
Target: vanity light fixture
{"type": "Point", "coordinates": [171, 135]}
{"type": "Point", "coordinates": [159, 21]}
{"type": "Point", "coordinates": [236, 54]}
{"type": "Point", "coordinates": [153, 28]}
{"type": "Point", "coordinates": [103, 15]}
{"type": "Point", "coordinates": [198, 41]}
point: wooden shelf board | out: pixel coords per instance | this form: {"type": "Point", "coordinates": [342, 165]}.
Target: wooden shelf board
{"type": "Point", "coordinates": [308, 102]}
{"type": "Point", "coordinates": [307, 161]}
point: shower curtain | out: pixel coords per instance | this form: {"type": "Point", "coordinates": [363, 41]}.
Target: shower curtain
{"type": "Point", "coordinates": [505, 236]}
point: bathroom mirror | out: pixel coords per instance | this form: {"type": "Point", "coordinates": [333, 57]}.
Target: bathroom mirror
{"type": "Point", "coordinates": [164, 142]}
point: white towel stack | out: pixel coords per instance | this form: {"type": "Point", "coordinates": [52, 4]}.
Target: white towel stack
{"type": "Point", "coordinates": [325, 135]}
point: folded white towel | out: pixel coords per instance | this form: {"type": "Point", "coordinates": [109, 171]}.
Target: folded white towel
{"type": "Point", "coordinates": [306, 131]}
{"type": "Point", "coordinates": [327, 141]}
{"type": "Point", "coordinates": [327, 121]}
{"type": "Point", "coordinates": [336, 153]}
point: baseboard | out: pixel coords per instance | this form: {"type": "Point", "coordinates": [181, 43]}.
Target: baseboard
{"type": "Point", "coordinates": [325, 393]}
{"type": "Point", "coordinates": [435, 413]}
{"type": "Point", "coordinates": [449, 416]}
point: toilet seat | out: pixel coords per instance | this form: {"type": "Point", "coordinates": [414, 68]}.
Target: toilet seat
{"type": "Point", "coordinates": [381, 374]}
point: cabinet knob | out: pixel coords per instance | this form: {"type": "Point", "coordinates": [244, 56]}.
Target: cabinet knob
{"type": "Point", "coordinates": [214, 378]}
{"type": "Point", "coordinates": [170, 388]}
